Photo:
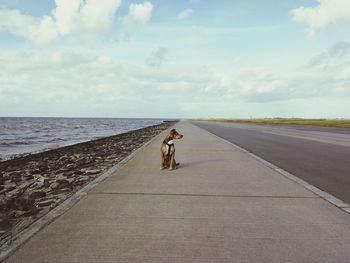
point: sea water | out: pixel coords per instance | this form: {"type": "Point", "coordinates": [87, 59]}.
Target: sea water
{"type": "Point", "coordinates": [28, 135]}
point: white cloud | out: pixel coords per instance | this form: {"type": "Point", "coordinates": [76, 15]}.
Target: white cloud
{"type": "Point", "coordinates": [328, 12]}
{"type": "Point", "coordinates": [109, 87]}
{"type": "Point", "coordinates": [99, 15]}
{"type": "Point", "coordinates": [265, 86]}
{"type": "Point", "coordinates": [184, 14]}
{"type": "Point", "coordinates": [139, 14]}
{"type": "Point", "coordinates": [68, 17]}
{"type": "Point", "coordinates": [37, 30]}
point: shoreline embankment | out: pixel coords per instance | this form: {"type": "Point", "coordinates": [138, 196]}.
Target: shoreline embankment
{"type": "Point", "coordinates": [32, 185]}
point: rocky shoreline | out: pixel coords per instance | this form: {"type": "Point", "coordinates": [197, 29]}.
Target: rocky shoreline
{"type": "Point", "coordinates": [32, 185]}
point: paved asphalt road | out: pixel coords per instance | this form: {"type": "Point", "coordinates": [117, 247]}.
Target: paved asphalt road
{"type": "Point", "coordinates": [318, 155]}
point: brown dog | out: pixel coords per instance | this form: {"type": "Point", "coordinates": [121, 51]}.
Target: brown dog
{"type": "Point", "coordinates": [167, 150]}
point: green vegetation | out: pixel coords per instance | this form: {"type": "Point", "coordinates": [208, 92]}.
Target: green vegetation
{"type": "Point", "coordinates": [339, 123]}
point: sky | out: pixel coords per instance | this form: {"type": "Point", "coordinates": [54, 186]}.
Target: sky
{"type": "Point", "coordinates": [175, 59]}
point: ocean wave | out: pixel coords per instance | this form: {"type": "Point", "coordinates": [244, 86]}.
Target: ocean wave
{"type": "Point", "coordinates": [15, 143]}
{"type": "Point", "coordinates": [58, 140]}
{"type": "Point", "coordinates": [31, 138]}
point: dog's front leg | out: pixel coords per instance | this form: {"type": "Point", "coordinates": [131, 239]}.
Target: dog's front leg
{"type": "Point", "coordinates": [162, 160]}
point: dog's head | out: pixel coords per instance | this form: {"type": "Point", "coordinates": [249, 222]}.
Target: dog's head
{"type": "Point", "coordinates": [175, 135]}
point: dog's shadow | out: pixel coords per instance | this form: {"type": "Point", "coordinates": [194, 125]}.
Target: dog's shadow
{"type": "Point", "coordinates": [197, 163]}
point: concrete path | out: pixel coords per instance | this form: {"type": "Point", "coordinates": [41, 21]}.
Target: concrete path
{"type": "Point", "coordinates": [221, 205]}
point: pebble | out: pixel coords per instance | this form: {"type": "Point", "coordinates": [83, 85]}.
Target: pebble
{"type": "Point", "coordinates": [92, 171]}
{"type": "Point", "coordinates": [37, 194]}
{"type": "Point", "coordinates": [46, 183]}
{"type": "Point", "coordinates": [54, 185]}
{"type": "Point", "coordinates": [62, 182]}
{"type": "Point", "coordinates": [83, 178]}
{"type": "Point", "coordinates": [9, 185]}
{"type": "Point", "coordinates": [45, 203]}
